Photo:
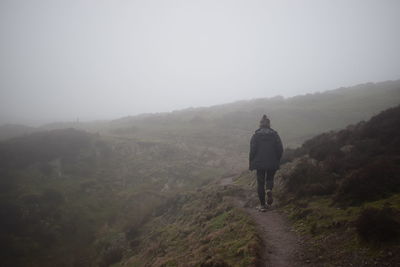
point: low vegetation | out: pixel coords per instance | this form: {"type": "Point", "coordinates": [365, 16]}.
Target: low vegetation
{"type": "Point", "coordinates": [378, 225]}
{"type": "Point", "coordinates": [344, 187]}
{"type": "Point", "coordinates": [70, 198]}
{"type": "Point", "coordinates": [139, 194]}
{"type": "Point", "coordinates": [200, 228]}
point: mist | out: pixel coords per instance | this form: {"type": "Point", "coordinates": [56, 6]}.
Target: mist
{"type": "Point", "coordinates": [269, 134]}
{"type": "Point", "coordinates": [63, 60]}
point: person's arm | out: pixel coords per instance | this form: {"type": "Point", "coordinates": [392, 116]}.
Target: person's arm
{"type": "Point", "coordinates": [279, 146]}
{"type": "Point", "coordinates": [252, 149]}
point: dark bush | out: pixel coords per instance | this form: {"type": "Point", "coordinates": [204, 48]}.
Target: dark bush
{"type": "Point", "coordinates": [52, 196]}
{"type": "Point", "coordinates": [8, 183]}
{"type": "Point", "coordinates": [325, 150]}
{"type": "Point", "coordinates": [111, 256]}
{"type": "Point", "coordinates": [384, 126]}
{"type": "Point", "coordinates": [10, 217]}
{"type": "Point", "coordinates": [322, 146]}
{"type": "Point", "coordinates": [132, 233]}
{"type": "Point", "coordinates": [290, 154]}
{"type": "Point", "coordinates": [308, 179]}
{"type": "Point", "coordinates": [378, 225]}
{"type": "Point", "coordinates": [375, 180]}
{"type": "Point", "coordinates": [41, 147]}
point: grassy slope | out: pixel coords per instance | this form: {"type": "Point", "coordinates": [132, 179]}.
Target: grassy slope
{"type": "Point", "coordinates": [113, 199]}
{"type": "Point", "coordinates": [198, 229]}
{"type": "Point", "coordinates": [73, 203]}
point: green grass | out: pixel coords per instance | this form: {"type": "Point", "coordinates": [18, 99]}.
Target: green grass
{"type": "Point", "coordinates": [220, 221]}
{"type": "Point", "coordinates": [319, 218]}
{"type": "Point", "coordinates": [317, 215]}
{"type": "Point", "coordinates": [204, 228]}
{"type": "Point", "coordinates": [392, 202]}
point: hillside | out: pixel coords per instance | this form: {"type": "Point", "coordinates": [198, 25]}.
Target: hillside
{"type": "Point", "coordinates": [297, 118]}
{"type": "Point", "coordinates": [342, 188]}
{"type": "Point", "coordinates": [228, 126]}
{"type": "Point", "coordinates": [144, 190]}
{"type": "Point", "coordinates": [71, 198]}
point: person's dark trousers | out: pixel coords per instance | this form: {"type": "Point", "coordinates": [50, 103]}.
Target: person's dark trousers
{"type": "Point", "coordinates": [265, 179]}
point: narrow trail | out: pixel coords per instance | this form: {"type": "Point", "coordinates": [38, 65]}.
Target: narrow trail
{"type": "Point", "coordinates": [282, 246]}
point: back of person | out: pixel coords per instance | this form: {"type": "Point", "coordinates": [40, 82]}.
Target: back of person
{"type": "Point", "coordinates": [265, 154]}
{"type": "Point", "coordinates": [267, 150]}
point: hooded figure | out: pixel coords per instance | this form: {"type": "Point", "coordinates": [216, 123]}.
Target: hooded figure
{"type": "Point", "coordinates": [265, 154]}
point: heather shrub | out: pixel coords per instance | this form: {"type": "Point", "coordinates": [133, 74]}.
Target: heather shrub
{"type": "Point", "coordinates": [375, 180]}
{"type": "Point", "coordinates": [308, 179]}
{"type": "Point", "coordinates": [378, 225]}
{"type": "Point", "coordinates": [288, 155]}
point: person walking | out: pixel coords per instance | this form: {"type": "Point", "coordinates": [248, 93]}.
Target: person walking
{"type": "Point", "coordinates": [265, 154]}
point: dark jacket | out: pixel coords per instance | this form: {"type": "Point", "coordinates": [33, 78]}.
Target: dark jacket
{"type": "Point", "coordinates": [265, 150]}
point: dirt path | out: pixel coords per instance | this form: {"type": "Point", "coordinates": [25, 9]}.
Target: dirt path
{"type": "Point", "coordinates": [282, 245]}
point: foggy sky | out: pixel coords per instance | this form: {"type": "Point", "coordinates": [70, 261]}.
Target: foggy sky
{"type": "Point", "coordinates": [60, 60]}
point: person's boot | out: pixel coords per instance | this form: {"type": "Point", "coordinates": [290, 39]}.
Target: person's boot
{"type": "Point", "coordinates": [270, 200]}
{"type": "Point", "coordinates": [262, 208]}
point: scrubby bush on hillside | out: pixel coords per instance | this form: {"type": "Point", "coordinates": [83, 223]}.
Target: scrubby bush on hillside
{"type": "Point", "coordinates": [364, 159]}
{"type": "Point", "coordinates": [373, 181]}
{"type": "Point", "coordinates": [308, 179]}
{"type": "Point", "coordinates": [384, 127]}
{"type": "Point", "coordinates": [41, 147]}
{"type": "Point", "coordinates": [323, 147]}
{"type": "Point", "coordinates": [378, 225]}
{"type": "Point", "coordinates": [290, 154]}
